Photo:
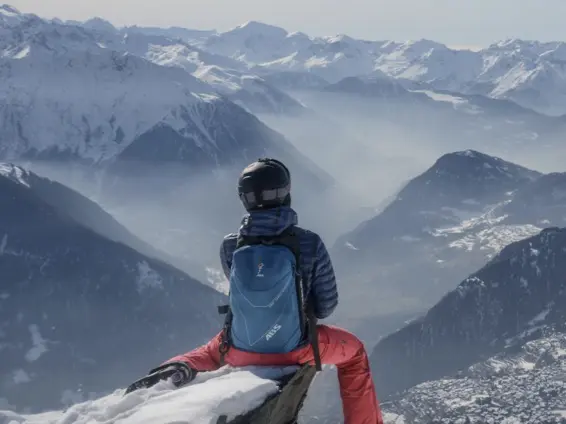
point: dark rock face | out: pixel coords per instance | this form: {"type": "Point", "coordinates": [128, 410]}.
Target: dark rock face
{"type": "Point", "coordinates": [81, 313]}
{"type": "Point", "coordinates": [504, 303]}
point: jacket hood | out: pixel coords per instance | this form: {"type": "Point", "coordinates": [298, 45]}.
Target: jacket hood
{"type": "Point", "coordinates": [269, 222]}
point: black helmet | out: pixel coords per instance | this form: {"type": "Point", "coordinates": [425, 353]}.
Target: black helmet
{"type": "Point", "coordinates": [265, 184]}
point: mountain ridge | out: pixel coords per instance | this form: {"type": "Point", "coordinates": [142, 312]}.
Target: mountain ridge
{"type": "Point", "coordinates": [507, 302]}
{"type": "Point", "coordinates": [62, 279]}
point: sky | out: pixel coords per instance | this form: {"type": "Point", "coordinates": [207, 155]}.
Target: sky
{"type": "Point", "coordinates": [455, 22]}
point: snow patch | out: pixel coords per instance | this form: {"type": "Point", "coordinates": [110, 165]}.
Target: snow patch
{"type": "Point", "coordinates": [391, 418]}
{"type": "Point", "coordinates": [21, 377]}
{"type": "Point", "coordinates": [409, 239]}
{"type": "Point", "coordinates": [22, 53]}
{"type": "Point", "coordinates": [350, 246]}
{"type": "Point", "coordinates": [148, 278]}
{"type": "Point", "coordinates": [39, 344]}
{"type": "Point", "coordinates": [217, 279]}
{"type": "Point", "coordinates": [455, 100]}
{"type": "Point", "coordinates": [540, 316]}
{"type": "Point", "coordinates": [14, 173]}
{"type": "Point", "coordinates": [3, 244]}
{"type": "Point", "coordinates": [9, 11]}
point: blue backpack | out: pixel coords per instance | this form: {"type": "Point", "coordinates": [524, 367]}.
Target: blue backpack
{"type": "Point", "coordinates": [267, 312]}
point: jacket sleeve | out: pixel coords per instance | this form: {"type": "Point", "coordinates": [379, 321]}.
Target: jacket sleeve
{"type": "Point", "coordinates": [225, 261]}
{"type": "Point", "coordinates": [203, 358]}
{"type": "Point", "coordinates": [324, 290]}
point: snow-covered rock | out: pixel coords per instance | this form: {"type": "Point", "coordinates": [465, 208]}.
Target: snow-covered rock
{"type": "Point", "coordinates": [227, 392]}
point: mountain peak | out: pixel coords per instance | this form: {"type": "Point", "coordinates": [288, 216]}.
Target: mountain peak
{"type": "Point", "coordinates": [259, 28]}
{"type": "Point", "coordinates": [6, 9]}
{"type": "Point", "coordinates": [467, 174]}
{"type": "Point", "coordinates": [99, 24]}
{"type": "Point", "coordinates": [424, 44]}
{"type": "Point", "coordinates": [472, 163]}
{"type": "Point", "coordinates": [9, 15]}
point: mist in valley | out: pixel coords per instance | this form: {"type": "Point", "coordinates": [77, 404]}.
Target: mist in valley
{"type": "Point", "coordinates": [366, 150]}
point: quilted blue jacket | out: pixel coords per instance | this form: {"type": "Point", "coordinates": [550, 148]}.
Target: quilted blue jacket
{"type": "Point", "coordinates": [319, 281]}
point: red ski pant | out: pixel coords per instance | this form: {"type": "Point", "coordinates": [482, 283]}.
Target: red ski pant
{"type": "Point", "coordinates": [337, 347]}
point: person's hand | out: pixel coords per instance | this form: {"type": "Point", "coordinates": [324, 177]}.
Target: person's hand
{"type": "Point", "coordinates": [178, 372]}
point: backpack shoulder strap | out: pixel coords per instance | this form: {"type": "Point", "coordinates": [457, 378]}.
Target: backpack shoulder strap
{"type": "Point", "coordinates": [290, 238]}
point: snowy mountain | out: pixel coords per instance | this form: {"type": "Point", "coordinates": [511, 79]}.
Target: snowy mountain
{"type": "Point", "coordinates": [74, 301]}
{"type": "Point", "coordinates": [99, 37]}
{"type": "Point", "coordinates": [227, 76]}
{"type": "Point", "coordinates": [50, 69]}
{"type": "Point", "coordinates": [64, 95]}
{"type": "Point", "coordinates": [267, 47]}
{"type": "Point", "coordinates": [524, 387]}
{"type": "Point", "coordinates": [529, 73]}
{"type": "Point", "coordinates": [441, 226]}
{"type": "Point", "coordinates": [255, 42]}
{"type": "Point", "coordinates": [517, 297]}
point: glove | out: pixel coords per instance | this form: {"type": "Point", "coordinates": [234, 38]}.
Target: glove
{"type": "Point", "coordinates": [179, 373]}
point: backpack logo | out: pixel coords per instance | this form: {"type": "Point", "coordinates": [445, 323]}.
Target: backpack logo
{"type": "Point", "coordinates": [260, 270]}
{"type": "Point", "coordinates": [272, 332]}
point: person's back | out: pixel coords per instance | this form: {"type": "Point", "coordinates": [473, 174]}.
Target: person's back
{"type": "Point", "coordinates": [262, 282]}
{"type": "Point", "coordinates": [248, 337]}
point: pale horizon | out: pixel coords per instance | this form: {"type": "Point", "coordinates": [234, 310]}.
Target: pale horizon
{"type": "Point", "coordinates": [471, 24]}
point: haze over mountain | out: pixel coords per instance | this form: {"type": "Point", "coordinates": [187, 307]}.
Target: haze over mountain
{"type": "Point", "coordinates": [64, 279]}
